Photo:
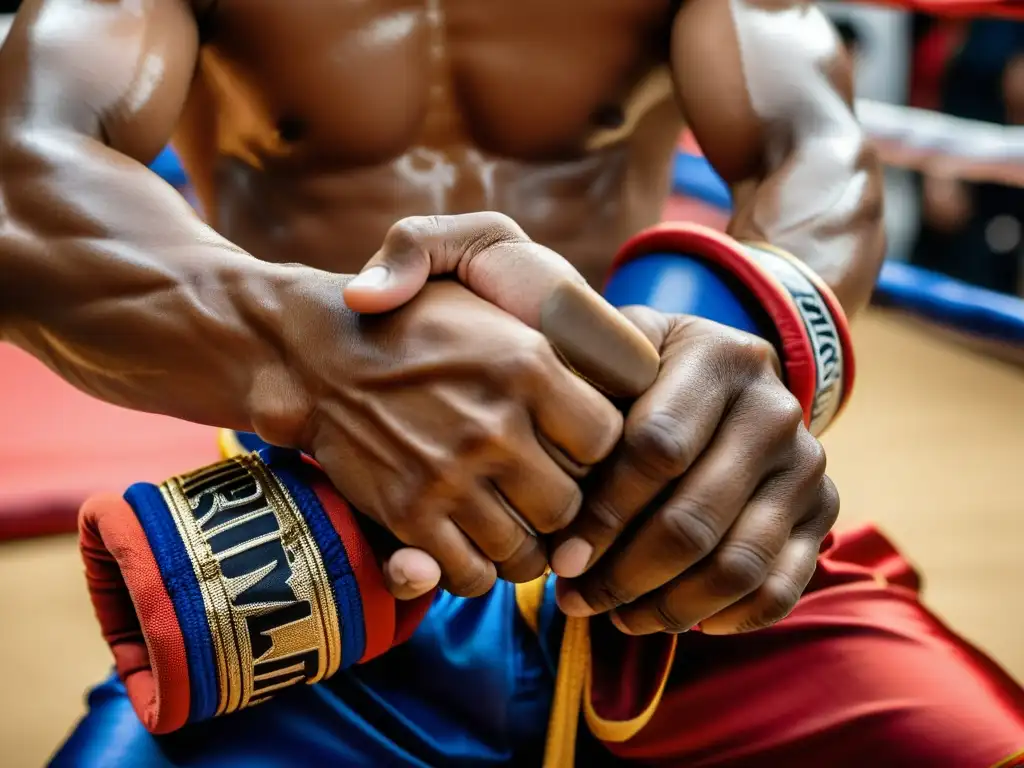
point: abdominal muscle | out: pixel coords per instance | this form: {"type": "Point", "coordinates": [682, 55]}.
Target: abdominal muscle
{"type": "Point", "coordinates": [332, 216]}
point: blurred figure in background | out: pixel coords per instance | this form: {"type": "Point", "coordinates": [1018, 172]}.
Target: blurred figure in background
{"type": "Point", "coordinates": [878, 39]}
{"type": "Point", "coordinates": [975, 232]}
{"type": "Point", "coordinates": [7, 10]}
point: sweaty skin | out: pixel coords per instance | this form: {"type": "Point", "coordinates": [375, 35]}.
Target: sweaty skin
{"type": "Point", "coordinates": [310, 128]}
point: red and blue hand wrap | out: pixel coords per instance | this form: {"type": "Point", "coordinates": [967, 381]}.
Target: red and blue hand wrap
{"type": "Point", "coordinates": [218, 588]}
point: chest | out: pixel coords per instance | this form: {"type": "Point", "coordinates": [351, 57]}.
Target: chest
{"type": "Point", "coordinates": [526, 78]}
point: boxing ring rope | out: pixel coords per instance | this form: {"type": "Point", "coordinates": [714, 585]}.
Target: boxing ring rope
{"type": "Point", "coordinates": [922, 140]}
{"type": "Point", "coordinates": [971, 150]}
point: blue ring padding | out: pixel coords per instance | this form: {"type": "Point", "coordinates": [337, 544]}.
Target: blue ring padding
{"type": "Point", "coordinates": [251, 442]}
{"type": "Point", "coordinates": [693, 176]}
{"type": "Point", "coordinates": [168, 167]}
{"type": "Point", "coordinates": [929, 294]}
{"type": "Point", "coordinates": [179, 578]}
{"type": "Point", "coordinates": [945, 300]}
{"type": "Point", "coordinates": [679, 284]}
{"type": "Point", "coordinates": [937, 297]}
{"type": "Point", "coordinates": [288, 467]}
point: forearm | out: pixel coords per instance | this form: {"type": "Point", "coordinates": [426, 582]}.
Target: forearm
{"type": "Point", "coordinates": [113, 281]}
{"type": "Point", "coordinates": [823, 204]}
{"type": "Point", "coordinates": [774, 117]}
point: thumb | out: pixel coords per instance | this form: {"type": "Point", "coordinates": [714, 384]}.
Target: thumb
{"type": "Point", "coordinates": [492, 256]}
{"type": "Point", "coordinates": [413, 249]}
{"type": "Point", "coordinates": [410, 573]}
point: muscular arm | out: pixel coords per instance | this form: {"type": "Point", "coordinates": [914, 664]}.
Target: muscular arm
{"type": "Point", "coordinates": [108, 275]}
{"type": "Point", "coordinates": [767, 90]}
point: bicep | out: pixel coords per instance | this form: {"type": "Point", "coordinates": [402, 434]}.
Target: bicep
{"type": "Point", "coordinates": [116, 70]}
{"type": "Point", "coordinates": [758, 78]}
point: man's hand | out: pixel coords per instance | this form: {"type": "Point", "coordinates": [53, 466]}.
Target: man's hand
{"type": "Point", "coordinates": [713, 509]}
{"type": "Point", "coordinates": [492, 256]}
{"type": "Point", "coordinates": [453, 421]}
{"type": "Point", "coordinates": [449, 422]}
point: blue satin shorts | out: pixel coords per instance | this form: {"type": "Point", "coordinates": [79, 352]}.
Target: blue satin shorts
{"type": "Point", "coordinates": [472, 687]}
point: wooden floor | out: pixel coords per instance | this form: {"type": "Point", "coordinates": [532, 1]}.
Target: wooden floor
{"type": "Point", "coordinates": [932, 448]}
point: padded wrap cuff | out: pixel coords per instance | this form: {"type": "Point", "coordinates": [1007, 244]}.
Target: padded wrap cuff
{"type": "Point", "coordinates": [220, 587]}
{"type": "Point", "coordinates": [809, 328]}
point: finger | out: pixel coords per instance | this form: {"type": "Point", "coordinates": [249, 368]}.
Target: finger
{"type": "Point", "coordinates": [410, 573]}
{"type": "Point", "coordinates": [719, 493]}
{"type": "Point", "coordinates": [494, 527]}
{"type": "Point", "coordinates": [571, 415]}
{"type": "Point", "coordinates": [775, 599]}
{"type": "Point", "coordinates": [464, 570]}
{"type": "Point", "coordinates": [665, 433]}
{"type": "Point", "coordinates": [761, 545]}
{"type": "Point", "coordinates": [537, 488]}
{"type": "Point", "coordinates": [789, 575]}
{"type": "Point", "coordinates": [492, 256]}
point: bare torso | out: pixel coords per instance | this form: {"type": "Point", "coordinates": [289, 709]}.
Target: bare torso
{"type": "Point", "coordinates": [312, 126]}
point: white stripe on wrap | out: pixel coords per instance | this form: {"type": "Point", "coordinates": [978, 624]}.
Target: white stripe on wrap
{"type": "Point", "coordinates": [826, 345]}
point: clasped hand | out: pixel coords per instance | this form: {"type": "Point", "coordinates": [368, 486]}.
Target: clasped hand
{"type": "Point", "coordinates": [706, 504]}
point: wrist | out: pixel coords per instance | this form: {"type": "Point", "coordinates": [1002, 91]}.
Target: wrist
{"type": "Point", "coordinates": [289, 308]}
{"type": "Point", "coordinates": [688, 269]}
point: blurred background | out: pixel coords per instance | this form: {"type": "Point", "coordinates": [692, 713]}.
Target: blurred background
{"type": "Point", "coordinates": [931, 447]}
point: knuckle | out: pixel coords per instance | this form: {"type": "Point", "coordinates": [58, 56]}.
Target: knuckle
{"type": "Point", "coordinates": [604, 517]}
{"type": "Point", "coordinates": [473, 581]}
{"type": "Point", "coordinates": [560, 515]}
{"type": "Point", "coordinates": [688, 528]}
{"type": "Point", "coordinates": [775, 601]}
{"type": "Point", "coordinates": [526, 565]}
{"type": "Point", "coordinates": [505, 548]}
{"type": "Point", "coordinates": [483, 434]}
{"type": "Point", "coordinates": [667, 618]}
{"type": "Point", "coordinates": [531, 359]}
{"type": "Point", "coordinates": [816, 457]}
{"type": "Point", "coordinates": [811, 457]}
{"type": "Point", "coordinates": [767, 357]}
{"type": "Point", "coordinates": [498, 225]}
{"type": "Point", "coordinates": [829, 503]}
{"type": "Point", "coordinates": [783, 415]}
{"type": "Point", "coordinates": [513, 550]}
{"type": "Point", "coordinates": [658, 446]}
{"type": "Point", "coordinates": [486, 231]}
{"type": "Point", "coordinates": [441, 476]}
{"type": "Point", "coordinates": [738, 569]}
{"type": "Point", "coordinates": [605, 593]}
{"type": "Point", "coordinates": [411, 231]}
{"type": "Point", "coordinates": [738, 350]}
{"type": "Point", "coordinates": [607, 428]}
{"type": "Point", "coordinates": [404, 514]}
{"type": "Point", "coordinates": [816, 461]}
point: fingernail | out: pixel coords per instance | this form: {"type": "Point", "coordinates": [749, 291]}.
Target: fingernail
{"type": "Point", "coordinates": [572, 604]}
{"type": "Point", "coordinates": [571, 558]}
{"type": "Point", "coordinates": [374, 277]}
{"type": "Point", "coordinates": [597, 342]}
